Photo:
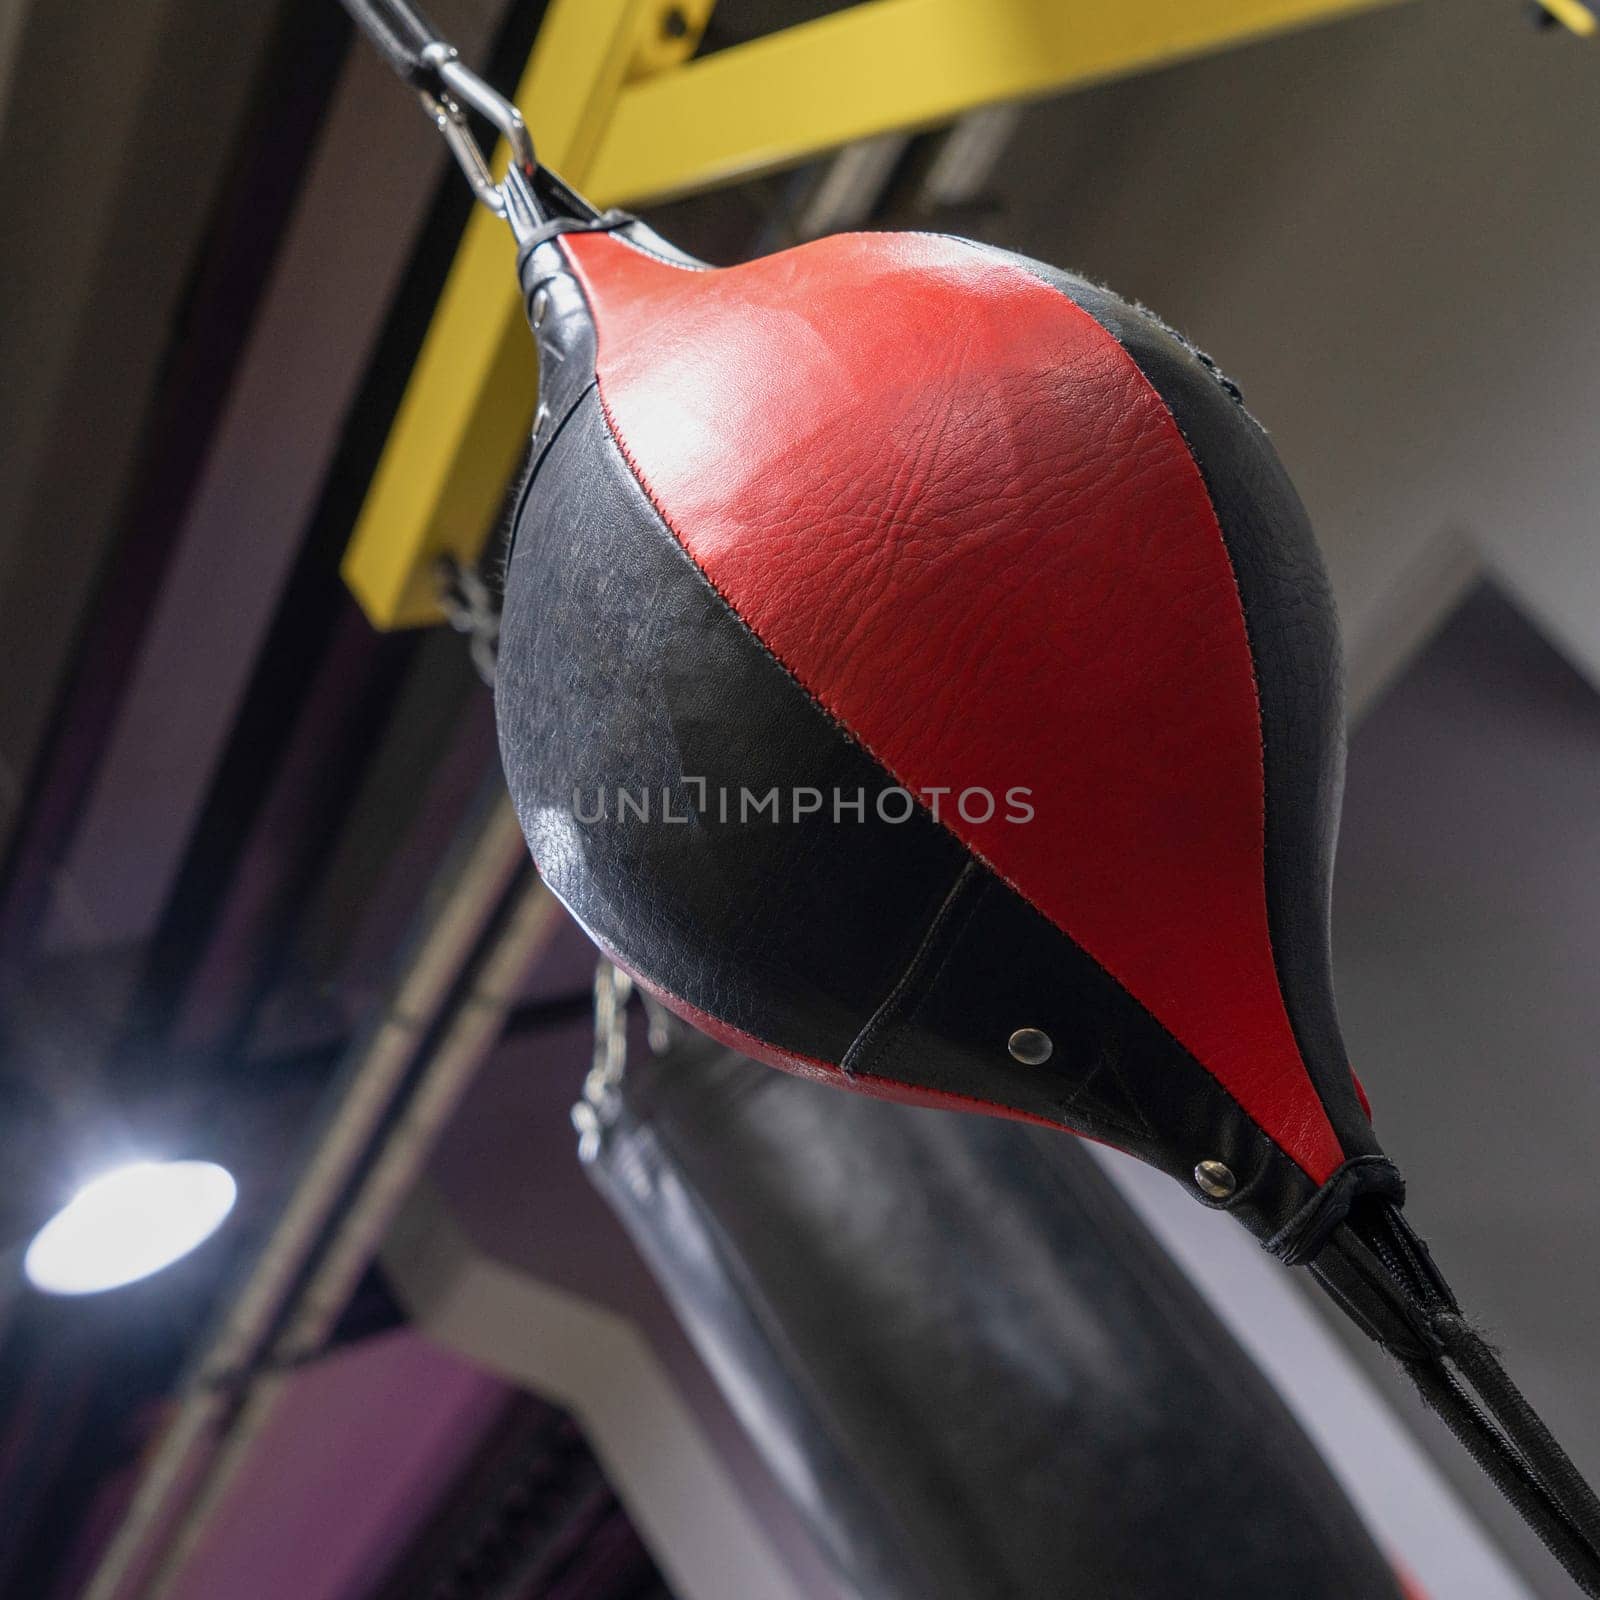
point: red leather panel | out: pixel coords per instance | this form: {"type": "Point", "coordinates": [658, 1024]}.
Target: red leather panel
{"type": "Point", "coordinates": [954, 509]}
{"type": "Point", "coordinates": [1408, 1584]}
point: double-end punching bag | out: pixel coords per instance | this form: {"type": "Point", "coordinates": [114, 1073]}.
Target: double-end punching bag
{"type": "Point", "coordinates": [917, 669]}
{"type": "Point", "coordinates": [966, 1361]}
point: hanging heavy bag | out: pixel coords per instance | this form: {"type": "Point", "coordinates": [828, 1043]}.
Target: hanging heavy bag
{"type": "Point", "coordinates": [917, 669]}
{"type": "Point", "coordinates": [969, 1365]}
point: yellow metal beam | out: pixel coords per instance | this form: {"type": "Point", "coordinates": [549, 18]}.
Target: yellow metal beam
{"type": "Point", "coordinates": [611, 115]}
{"type": "Point", "coordinates": [899, 64]}
{"type": "Point", "coordinates": [1580, 18]}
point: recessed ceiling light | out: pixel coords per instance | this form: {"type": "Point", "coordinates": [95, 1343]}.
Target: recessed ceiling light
{"type": "Point", "coordinates": [129, 1223]}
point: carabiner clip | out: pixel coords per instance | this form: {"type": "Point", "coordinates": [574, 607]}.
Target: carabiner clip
{"type": "Point", "coordinates": [512, 197]}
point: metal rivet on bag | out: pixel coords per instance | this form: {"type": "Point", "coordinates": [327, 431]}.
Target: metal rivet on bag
{"type": "Point", "coordinates": [1214, 1179]}
{"type": "Point", "coordinates": [1031, 1046]}
{"type": "Point", "coordinates": [541, 307]}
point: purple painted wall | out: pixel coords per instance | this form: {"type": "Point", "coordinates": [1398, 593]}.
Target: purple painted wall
{"type": "Point", "coordinates": [363, 1447]}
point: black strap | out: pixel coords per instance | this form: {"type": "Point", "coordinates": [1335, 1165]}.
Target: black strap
{"type": "Point", "coordinates": [1302, 1237]}
{"type": "Point", "coordinates": [401, 33]}
{"type": "Point", "coordinates": [1384, 1277]}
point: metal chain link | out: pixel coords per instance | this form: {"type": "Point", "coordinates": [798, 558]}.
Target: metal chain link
{"type": "Point", "coordinates": [472, 607]}
{"type": "Point", "coordinates": [612, 990]}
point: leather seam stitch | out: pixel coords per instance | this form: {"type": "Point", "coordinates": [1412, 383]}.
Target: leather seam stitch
{"type": "Point", "coordinates": [954, 912]}
{"type": "Point", "coordinates": [898, 1048]}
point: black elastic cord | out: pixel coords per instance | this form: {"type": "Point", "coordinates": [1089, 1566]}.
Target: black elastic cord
{"type": "Point", "coordinates": [1508, 1468]}
{"type": "Point", "coordinates": [1523, 1426]}
{"type": "Point", "coordinates": [400, 32]}
{"type": "Point", "coordinates": [1302, 1237]}
{"type": "Point", "coordinates": [1384, 1277]}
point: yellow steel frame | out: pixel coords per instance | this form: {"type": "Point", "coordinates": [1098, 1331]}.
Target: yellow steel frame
{"type": "Point", "coordinates": [1577, 15]}
{"type": "Point", "coordinates": [621, 112]}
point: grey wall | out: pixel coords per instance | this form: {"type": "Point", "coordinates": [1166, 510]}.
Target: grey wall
{"type": "Point", "coordinates": [1467, 940]}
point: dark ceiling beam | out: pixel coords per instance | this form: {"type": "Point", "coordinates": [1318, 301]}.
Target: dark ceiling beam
{"type": "Point", "coordinates": [207, 340]}
{"type": "Point", "coordinates": [269, 642]}
{"type": "Point", "coordinates": [113, 152]}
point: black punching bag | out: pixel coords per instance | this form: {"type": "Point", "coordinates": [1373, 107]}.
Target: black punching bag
{"type": "Point", "coordinates": [964, 1358]}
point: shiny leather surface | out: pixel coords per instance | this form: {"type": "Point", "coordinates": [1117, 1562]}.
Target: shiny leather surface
{"type": "Point", "coordinates": [1177, 682]}
{"type": "Point", "coordinates": [657, 679]}
{"type": "Point", "coordinates": [965, 1359]}
{"type": "Point", "coordinates": [946, 499]}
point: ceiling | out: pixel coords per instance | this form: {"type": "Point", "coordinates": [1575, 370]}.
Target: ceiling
{"type": "Point", "coordinates": [224, 799]}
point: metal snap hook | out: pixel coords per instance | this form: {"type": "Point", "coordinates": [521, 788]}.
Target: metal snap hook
{"type": "Point", "coordinates": [459, 86]}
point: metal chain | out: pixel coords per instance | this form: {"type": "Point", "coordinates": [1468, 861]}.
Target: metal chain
{"type": "Point", "coordinates": [663, 1030]}
{"type": "Point", "coordinates": [612, 990]}
{"type": "Point", "coordinates": [472, 607]}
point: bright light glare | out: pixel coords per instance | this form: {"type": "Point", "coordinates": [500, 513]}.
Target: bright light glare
{"type": "Point", "coordinates": [129, 1223]}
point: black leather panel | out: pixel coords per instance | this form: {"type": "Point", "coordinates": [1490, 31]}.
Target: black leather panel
{"type": "Point", "coordinates": [966, 1360]}
{"type": "Point", "coordinates": [564, 333]}
{"type": "Point", "coordinates": [621, 669]}
{"type": "Point", "coordinates": [995, 964]}
{"type": "Point", "coordinates": [1294, 640]}
{"type": "Point", "coordinates": [563, 329]}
